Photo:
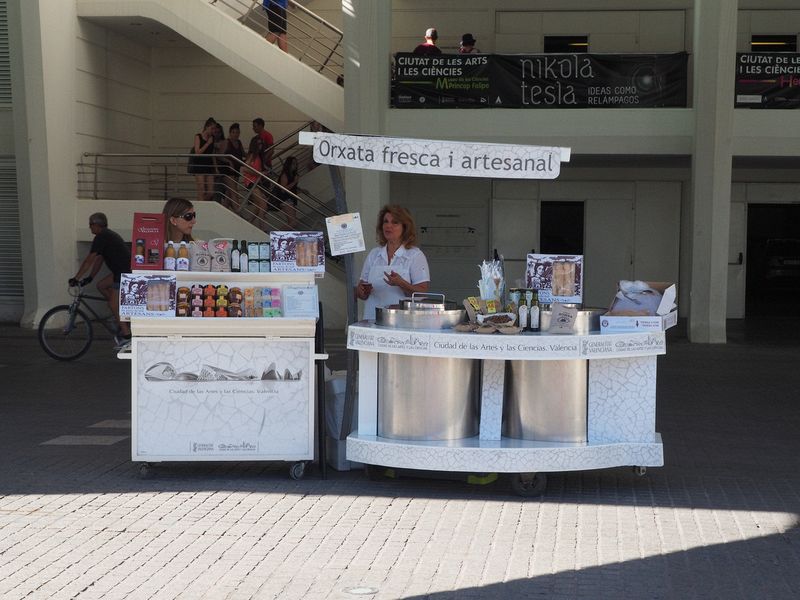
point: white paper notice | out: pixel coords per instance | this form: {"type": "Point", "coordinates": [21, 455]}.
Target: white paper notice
{"type": "Point", "coordinates": [345, 234]}
{"type": "Point", "coordinates": [300, 301]}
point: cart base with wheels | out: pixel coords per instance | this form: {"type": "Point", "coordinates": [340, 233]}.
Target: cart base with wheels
{"type": "Point", "coordinates": [619, 412]}
{"type": "Point", "coordinates": [527, 462]}
{"type": "Point", "coordinates": [296, 470]}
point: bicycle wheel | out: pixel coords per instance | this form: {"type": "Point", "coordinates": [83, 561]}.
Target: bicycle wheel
{"type": "Point", "coordinates": [64, 339]}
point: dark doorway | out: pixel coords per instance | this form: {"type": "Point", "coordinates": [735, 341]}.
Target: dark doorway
{"type": "Point", "coordinates": [562, 228]}
{"type": "Point", "coordinates": [566, 44]}
{"type": "Point", "coordinates": [773, 259]}
{"type": "Point", "coordinates": [773, 43]}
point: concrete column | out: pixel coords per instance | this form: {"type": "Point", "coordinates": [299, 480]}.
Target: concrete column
{"type": "Point", "coordinates": [43, 74]}
{"type": "Point", "coordinates": [367, 56]}
{"type": "Point", "coordinates": [714, 67]}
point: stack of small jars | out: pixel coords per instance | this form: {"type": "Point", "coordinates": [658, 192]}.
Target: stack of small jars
{"type": "Point", "coordinates": [209, 301]}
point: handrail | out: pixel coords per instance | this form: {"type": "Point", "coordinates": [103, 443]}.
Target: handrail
{"type": "Point", "coordinates": [310, 38]}
{"type": "Point", "coordinates": [134, 176]}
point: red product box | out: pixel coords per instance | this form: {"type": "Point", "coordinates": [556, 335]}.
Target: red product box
{"type": "Point", "coordinates": [149, 232]}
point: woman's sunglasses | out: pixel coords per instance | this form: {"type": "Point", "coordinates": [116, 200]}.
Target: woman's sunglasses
{"type": "Point", "coordinates": [189, 216]}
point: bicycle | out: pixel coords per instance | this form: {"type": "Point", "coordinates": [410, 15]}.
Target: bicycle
{"type": "Point", "coordinates": [66, 332]}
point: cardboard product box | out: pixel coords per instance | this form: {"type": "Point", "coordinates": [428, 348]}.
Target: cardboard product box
{"type": "Point", "coordinates": [620, 319]}
{"type": "Point", "coordinates": [149, 233]}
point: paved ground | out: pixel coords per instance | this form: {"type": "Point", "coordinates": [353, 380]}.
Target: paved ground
{"type": "Point", "coordinates": [720, 520]}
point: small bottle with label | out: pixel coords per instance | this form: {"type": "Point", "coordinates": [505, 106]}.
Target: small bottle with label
{"type": "Point", "coordinates": [139, 252]}
{"type": "Point", "coordinates": [535, 312]}
{"type": "Point", "coordinates": [182, 262]}
{"type": "Point", "coordinates": [169, 257]}
{"type": "Point", "coordinates": [244, 262]}
{"type": "Point", "coordinates": [235, 257]}
{"type": "Point", "coordinates": [523, 317]}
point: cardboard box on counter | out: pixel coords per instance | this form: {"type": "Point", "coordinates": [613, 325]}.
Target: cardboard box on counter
{"type": "Point", "coordinates": [617, 320]}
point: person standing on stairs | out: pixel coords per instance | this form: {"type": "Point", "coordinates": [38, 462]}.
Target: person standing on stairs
{"type": "Point", "coordinates": [267, 142]}
{"type": "Point", "coordinates": [276, 22]}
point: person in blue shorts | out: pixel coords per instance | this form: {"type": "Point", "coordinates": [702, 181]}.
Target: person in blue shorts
{"type": "Point", "coordinates": [276, 22]}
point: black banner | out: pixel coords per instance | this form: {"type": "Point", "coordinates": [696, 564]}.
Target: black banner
{"type": "Point", "coordinates": [767, 80]}
{"type": "Point", "coordinates": [539, 80]}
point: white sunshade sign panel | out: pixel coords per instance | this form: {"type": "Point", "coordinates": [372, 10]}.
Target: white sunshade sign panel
{"type": "Point", "coordinates": [437, 157]}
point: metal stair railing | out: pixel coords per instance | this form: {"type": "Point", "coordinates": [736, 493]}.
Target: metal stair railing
{"type": "Point", "coordinates": [310, 38]}
{"type": "Point", "coordinates": [288, 146]}
{"type": "Point", "coordinates": [159, 177]}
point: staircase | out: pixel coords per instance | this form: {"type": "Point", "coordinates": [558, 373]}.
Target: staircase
{"type": "Point", "coordinates": [233, 32]}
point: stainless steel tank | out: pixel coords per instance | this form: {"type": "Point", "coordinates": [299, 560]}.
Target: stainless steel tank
{"type": "Point", "coordinates": [546, 400]}
{"type": "Point", "coordinates": [423, 398]}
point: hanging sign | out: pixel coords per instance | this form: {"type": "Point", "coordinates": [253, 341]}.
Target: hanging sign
{"type": "Point", "coordinates": [767, 80]}
{"type": "Point", "coordinates": [539, 80]}
{"type": "Point", "coordinates": [437, 157]}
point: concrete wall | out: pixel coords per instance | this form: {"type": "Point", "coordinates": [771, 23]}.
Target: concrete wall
{"type": "Point", "coordinates": [520, 27]}
{"type": "Point", "coordinates": [113, 92]}
{"type": "Point", "coordinates": [190, 85]}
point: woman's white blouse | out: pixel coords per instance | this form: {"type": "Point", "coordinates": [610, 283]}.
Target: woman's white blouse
{"type": "Point", "coordinates": [410, 263]}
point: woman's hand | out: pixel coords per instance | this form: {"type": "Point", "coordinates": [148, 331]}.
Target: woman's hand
{"type": "Point", "coordinates": [363, 290]}
{"type": "Point", "coordinates": [394, 279]}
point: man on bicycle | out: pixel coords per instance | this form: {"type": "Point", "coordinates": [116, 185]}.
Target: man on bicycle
{"type": "Point", "coordinates": [109, 247]}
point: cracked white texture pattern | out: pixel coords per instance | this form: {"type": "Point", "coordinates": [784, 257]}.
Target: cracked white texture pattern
{"type": "Point", "coordinates": [223, 420]}
{"type": "Point", "coordinates": [492, 399]}
{"type": "Point", "coordinates": [506, 456]}
{"type": "Point", "coordinates": [367, 336]}
{"type": "Point", "coordinates": [622, 400]}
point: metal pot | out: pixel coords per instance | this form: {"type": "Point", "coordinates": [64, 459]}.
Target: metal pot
{"type": "Point", "coordinates": [427, 301]}
{"type": "Point", "coordinates": [420, 315]}
{"type": "Point", "coordinates": [588, 320]}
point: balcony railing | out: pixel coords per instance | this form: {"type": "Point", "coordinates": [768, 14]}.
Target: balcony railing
{"type": "Point", "coordinates": [310, 38]}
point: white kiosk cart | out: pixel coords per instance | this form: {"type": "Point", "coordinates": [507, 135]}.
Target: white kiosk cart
{"type": "Point", "coordinates": [593, 406]}
{"type": "Point", "coordinates": [225, 389]}
{"type": "Point", "coordinates": [451, 401]}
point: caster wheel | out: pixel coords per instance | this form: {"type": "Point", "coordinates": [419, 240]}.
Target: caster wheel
{"type": "Point", "coordinates": [529, 484]}
{"type": "Point", "coordinates": [297, 470]}
{"type": "Point", "coordinates": [145, 471]}
{"type": "Point", "coordinates": [640, 471]}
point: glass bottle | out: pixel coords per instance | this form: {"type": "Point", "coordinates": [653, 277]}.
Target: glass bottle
{"type": "Point", "coordinates": [169, 257]}
{"type": "Point", "coordinates": [235, 256]}
{"type": "Point", "coordinates": [182, 263]}
{"type": "Point", "coordinates": [139, 252]}
{"type": "Point", "coordinates": [535, 312]}
{"type": "Point", "coordinates": [243, 258]}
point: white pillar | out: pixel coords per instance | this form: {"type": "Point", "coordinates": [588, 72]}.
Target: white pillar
{"type": "Point", "coordinates": [714, 68]}
{"type": "Point", "coordinates": [43, 42]}
{"type": "Point", "coordinates": [368, 34]}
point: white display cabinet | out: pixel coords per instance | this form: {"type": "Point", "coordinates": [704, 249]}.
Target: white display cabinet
{"type": "Point", "coordinates": [225, 388]}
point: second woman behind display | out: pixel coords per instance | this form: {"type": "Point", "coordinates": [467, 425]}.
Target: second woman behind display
{"type": "Point", "coordinates": [396, 268]}
{"type": "Point", "coordinates": [181, 217]}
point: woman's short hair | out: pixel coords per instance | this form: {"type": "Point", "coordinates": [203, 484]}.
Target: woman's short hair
{"type": "Point", "coordinates": [98, 218]}
{"type": "Point", "coordinates": [404, 217]}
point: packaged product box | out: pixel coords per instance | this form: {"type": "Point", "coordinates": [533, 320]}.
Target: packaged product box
{"type": "Point", "coordinates": [624, 315]}
{"type": "Point", "coordinates": [149, 232]}
{"type": "Point", "coordinates": [220, 249]}
{"type": "Point", "coordinates": [199, 256]}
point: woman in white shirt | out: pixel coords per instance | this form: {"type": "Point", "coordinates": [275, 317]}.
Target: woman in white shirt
{"type": "Point", "coordinates": [396, 268]}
